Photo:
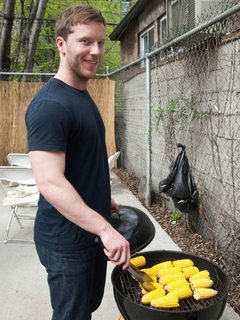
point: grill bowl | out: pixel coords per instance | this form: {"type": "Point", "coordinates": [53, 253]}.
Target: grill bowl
{"type": "Point", "coordinates": [128, 294]}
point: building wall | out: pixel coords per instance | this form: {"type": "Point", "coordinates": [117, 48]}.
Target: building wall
{"type": "Point", "coordinates": [129, 40]}
{"type": "Point", "coordinates": [151, 14]}
{"type": "Point", "coordinates": [129, 47]}
{"type": "Point", "coordinates": [212, 84]}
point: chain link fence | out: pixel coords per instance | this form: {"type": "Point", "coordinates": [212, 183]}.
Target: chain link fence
{"type": "Point", "coordinates": [194, 101]}
{"type": "Point", "coordinates": [194, 87]}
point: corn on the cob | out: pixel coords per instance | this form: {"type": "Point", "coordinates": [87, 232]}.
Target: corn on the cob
{"type": "Point", "coordinates": [148, 297]}
{"type": "Point", "coordinates": [139, 261]}
{"type": "Point", "coordinates": [149, 271]}
{"type": "Point", "coordinates": [144, 291]}
{"type": "Point", "coordinates": [155, 285]}
{"type": "Point", "coordinates": [165, 302]}
{"type": "Point", "coordinates": [183, 263]}
{"type": "Point", "coordinates": [200, 274]}
{"type": "Point", "coordinates": [149, 286]}
{"type": "Point", "coordinates": [190, 271]}
{"type": "Point", "coordinates": [181, 292]}
{"type": "Point", "coordinates": [201, 283]}
{"type": "Point", "coordinates": [170, 277]}
{"type": "Point", "coordinates": [161, 265]}
{"type": "Point", "coordinates": [204, 293]}
{"type": "Point", "coordinates": [154, 278]}
{"type": "Point", "coordinates": [170, 270]}
{"type": "Point", "coordinates": [176, 284]}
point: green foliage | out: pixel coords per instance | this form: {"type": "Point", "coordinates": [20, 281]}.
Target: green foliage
{"type": "Point", "coordinates": [176, 216]}
{"type": "Point", "coordinates": [46, 58]}
{"type": "Point", "coordinates": [177, 111]}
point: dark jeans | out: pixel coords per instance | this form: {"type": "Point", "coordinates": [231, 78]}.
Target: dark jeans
{"type": "Point", "coordinates": [76, 281]}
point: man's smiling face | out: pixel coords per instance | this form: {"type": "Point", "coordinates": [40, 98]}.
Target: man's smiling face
{"type": "Point", "coordinates": [83, 50]}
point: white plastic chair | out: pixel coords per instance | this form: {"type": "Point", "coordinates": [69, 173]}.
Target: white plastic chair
{"type": "Point", "coordinates": [112, 159]}
{"type": "Point", "coordinates": [111, 162]}
{"type": "Point", "coordinates": [20, 192]}
{"type": "Point", "coordinates": [19, 160]}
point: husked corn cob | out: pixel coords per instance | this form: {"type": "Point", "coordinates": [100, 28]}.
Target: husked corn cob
{"type": "Point", "coordinates": [168, 301]}
{"type": "Point", "coordinates": [183, 263]}
{"type": "Point", "coordinates": [201, 283]}
{"type": "Point", "coordinates": [154, 278]}
{"type": "Point", "coordinates": [149, 271]}
{"type": "Point", "coordinates": [181, 292]}
{"type": "Point", "coordinates": [189, 271]}
{"type": "Point", "coordinates": [176, 284]}
{"type": "Point", "coordinates": [161, 265]}
{"type": "Point", "coordinates": [139, 261]}
{"type": "Point", "coordinates": [170, 270]}
{"type": "Point", "coordinates": [204, 293]}
{"type": "Point", "coordinates": [148, 297]}
{"type": "Point", "coordinates": [199, 275]}
{"type": "Point", "coordinates": [170, 277]}
{"type": "Point", "coordinates": [149, 286]}
{"type": "Point", "coordinates": [156, 285]}
{"type": "Point", "coordinates": [144, 291]}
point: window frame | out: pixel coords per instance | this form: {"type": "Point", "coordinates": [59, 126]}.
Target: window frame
{"type": "Point", "coordinates": [163, 18]}
{"type": "Point", "coordinates": [142, 50]}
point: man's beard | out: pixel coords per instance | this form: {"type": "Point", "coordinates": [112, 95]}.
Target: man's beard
{"type": "Point", "coordinates": [80, 75]}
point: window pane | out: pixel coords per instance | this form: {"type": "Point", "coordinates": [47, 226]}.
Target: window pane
{"type": "Point", "coordinates": [151, 40]}
{"type": "Point", "coordinates": [163, 29]}
{"type": "Point", "coordinates": [147, 41]}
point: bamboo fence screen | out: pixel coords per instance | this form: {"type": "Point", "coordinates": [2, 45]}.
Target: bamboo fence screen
{"type": "Point", "coordinates": [15, 98]}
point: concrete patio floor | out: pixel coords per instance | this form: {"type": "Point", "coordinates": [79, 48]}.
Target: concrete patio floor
{"type": "Point", "coordinates": [23, 285]}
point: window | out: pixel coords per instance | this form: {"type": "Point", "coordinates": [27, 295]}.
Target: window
{"type": "Point", "coordinates": [125, 6]}
{"type": "Point", "coordinates": [173, 2]}
{"type": "Point", "coordinates": [147, 41]}
{"type": "Point", "coordinates": [163, 29]}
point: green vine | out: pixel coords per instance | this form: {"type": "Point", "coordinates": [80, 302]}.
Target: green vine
{"type": "Point", "coordinates": [176, 112]}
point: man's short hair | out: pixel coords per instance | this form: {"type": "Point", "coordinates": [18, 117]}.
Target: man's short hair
{"type": "Point", "coordinates": [75, 15]}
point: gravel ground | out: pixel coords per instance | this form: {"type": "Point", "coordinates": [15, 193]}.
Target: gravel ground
{"type": "Point", "coordinates": [187, 240]}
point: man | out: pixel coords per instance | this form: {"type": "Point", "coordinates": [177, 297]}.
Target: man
{"type": "Point", "coordinates": [66, 141]}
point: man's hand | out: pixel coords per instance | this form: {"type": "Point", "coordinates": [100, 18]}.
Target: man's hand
{"type": "Point", "coordinates": [116, 247]}
{"type": "Point", "coordinates": [115, 207]}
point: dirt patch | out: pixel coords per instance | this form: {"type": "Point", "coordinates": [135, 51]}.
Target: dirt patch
{"type": "Point", "coordinates": [186, 239]}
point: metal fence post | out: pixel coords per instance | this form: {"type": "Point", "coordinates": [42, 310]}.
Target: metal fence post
{"type": "Point", "coordinates": [149, 132]}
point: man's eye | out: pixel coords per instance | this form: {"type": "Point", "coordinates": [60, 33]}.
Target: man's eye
{"type": "Point", "coordinates": [101, 44]}
{"type": "Point", "coordinates": [85, 42]}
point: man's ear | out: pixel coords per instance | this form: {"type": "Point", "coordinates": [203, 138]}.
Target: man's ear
{"type": "Point", "coordinates": [60, 42]}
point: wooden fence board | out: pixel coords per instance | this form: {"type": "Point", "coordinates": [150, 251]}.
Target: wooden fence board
{"type": "Point", "coordinates": [15, 98]}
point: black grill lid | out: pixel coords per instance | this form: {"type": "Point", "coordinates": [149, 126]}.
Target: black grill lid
{"type": "Point", "coordinates": [135, 226]}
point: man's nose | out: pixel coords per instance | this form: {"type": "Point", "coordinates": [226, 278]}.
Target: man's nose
{"type": "Point", "coordinates": [95, 49]}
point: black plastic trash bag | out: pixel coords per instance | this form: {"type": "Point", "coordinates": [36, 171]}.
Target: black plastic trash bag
{"type": "Point", "coordinates": [179, 184]}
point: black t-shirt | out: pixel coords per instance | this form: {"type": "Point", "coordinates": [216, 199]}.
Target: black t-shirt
{"type": "Point", "coordinates": [62, 118]}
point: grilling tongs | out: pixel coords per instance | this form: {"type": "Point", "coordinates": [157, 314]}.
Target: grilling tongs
{"type": "Point", "coordinates": [138, 275]}
{"type": "Point", "coordinates": [142, 277]}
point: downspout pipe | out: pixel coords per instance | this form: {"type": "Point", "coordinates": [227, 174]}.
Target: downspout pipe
{"type": "Point", "coordinates": [148, 190]}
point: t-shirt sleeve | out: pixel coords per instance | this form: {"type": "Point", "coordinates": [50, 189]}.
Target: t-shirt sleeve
{"type": "Point", "coordinates": [48, 126]}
